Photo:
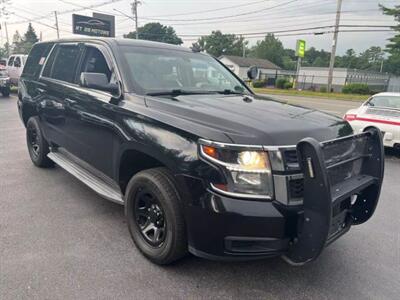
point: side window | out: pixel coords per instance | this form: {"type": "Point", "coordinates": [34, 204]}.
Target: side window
{"type": "Point", "coordinates": [95, 62]}
{"type": "Point", "coordinates": [36, 59]}
{"type": "Point", "coordinates": [11, 60]}
{"type": "Point", "coordinates": [17, 62]}
{"type": "Point", "coordinates": [65, 63]}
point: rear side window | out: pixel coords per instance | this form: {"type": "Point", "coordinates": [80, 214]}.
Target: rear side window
{"type": "Point", "coordinates": [36, 59]}
{"type": "Point", "coordinates": [11, 60]}
{"type": "Point", "coordinates": [64, 66]}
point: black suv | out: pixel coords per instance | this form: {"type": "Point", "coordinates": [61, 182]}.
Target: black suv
{"type": "Point", "coordinates": [199, 161]}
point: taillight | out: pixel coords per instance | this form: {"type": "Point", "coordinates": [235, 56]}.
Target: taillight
{"type": "Point", "coordinates": [350, 117]}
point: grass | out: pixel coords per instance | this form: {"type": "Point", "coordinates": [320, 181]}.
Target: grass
{"type": "Point", "coordinates": [333, 96]}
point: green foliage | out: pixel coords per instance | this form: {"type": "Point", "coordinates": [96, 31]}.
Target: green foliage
{"type": "Point", "coordinates": [356, 88]}
{"type": "Point", "coordinates": [218, 44]}
{"type": "Point", "coordinates": [156, 32]}
{"type": "Point", "coordinates": [393, 48]}
{"type": "Point", "coordinates": [283, 83]}
{"type": "Point", "coordinates": [287, 85]}
{"type": "Point", "coordinates": [22, 45]}
{"type": "Point", "coordinates": [323, 89]}
{"type": "Point", "coordinates": [270, 48]}
{"type": "Point", "coordinates": [259, 83]}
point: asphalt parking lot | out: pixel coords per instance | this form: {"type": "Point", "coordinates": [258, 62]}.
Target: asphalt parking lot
{"type": "Point", "coordinates": [59, 240]}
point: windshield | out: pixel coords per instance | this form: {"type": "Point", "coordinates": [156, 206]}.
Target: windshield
{"type": "Point", "coordinates": [154, 70]}
{"type": "Point", "coordinates": [385, 101]}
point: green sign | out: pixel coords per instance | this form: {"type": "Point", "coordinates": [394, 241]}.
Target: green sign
{"type": "Point", "coordinates": [300, 48]}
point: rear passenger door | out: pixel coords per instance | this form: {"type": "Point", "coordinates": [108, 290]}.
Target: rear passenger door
{"type": "Point", "coordinates": [58, 89]}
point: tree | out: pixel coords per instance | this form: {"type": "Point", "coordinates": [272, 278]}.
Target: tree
{"type": "Point", "coordinates": [270, 48]}
{"type": "Point", "coordinates": [22, 45]}
{"type": "Point", "coordinates": [393, 48]}
{"type": "Point", "coordinates": [156, 32]}
{"type": "Point", "coordinates": [218, 44]}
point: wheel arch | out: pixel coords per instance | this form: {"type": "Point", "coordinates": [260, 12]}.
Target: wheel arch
{"type": "Point", "coordinates": [133, 160]}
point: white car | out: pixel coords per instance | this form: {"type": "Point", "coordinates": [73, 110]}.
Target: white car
{"type": "Point", "coordinates": [381, 110]}
{"type": "Point", "coordinates": [15, 65]}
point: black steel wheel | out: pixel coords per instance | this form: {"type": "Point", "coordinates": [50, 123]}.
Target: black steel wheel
{"type": "Point", "coordinates": [37, 145]}
{"type": "Point", "coordinates": [150, 217]}
{"type": "Point", "coordinates": [154, 215]}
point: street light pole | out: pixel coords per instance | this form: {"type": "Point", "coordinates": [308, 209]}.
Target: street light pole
{"type": "Point", "coordinates": [334, 45]}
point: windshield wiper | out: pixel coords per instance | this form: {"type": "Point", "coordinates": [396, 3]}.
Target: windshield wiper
{"type": "Point", "coordinates": [177, 92]}
{"type": "Point", "coordinates": [230, 92]}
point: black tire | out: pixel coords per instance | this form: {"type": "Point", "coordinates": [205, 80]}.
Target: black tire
{"type": "Point", "coordinates": [161, 185]}
{"type": "Point", "coordinates": [5, 92]}
{"type": "Point", "coordinates": [37, 145]}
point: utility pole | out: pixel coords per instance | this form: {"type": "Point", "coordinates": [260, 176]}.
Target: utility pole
{"type": "Point", "coordinates": [8, 40]}
{"type": "Point", "coordinates": [244, 47]}
{"type": "Point", "coordinates": [134, 6]}
{"type": "Point", "coordinates": [334, 45]}
{"type": "Point", "coordinates": [58, 30]}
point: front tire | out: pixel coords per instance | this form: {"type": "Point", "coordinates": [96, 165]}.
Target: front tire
{"type": "Point", "coordinates": [37, 145]}
{"type": "Point", "coordinates": [155, 217]}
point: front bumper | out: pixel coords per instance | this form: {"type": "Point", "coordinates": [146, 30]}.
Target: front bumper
{"type": "Point", "coordinates": [342, 182]}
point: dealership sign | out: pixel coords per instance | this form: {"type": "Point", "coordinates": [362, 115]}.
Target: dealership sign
{"type": "Point", "coordinates": [300, 48]}
{"type": "Point", "coordinates": [91, 26]}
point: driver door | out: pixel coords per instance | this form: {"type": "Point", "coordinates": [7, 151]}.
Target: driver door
{"type": "Point", "coordinates": [90, 115]}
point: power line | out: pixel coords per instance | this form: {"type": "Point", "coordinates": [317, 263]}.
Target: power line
{"type": "Point", "coordinates": [226, 17]}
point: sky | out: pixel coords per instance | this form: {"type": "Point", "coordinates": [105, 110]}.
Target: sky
{"type": "Point", "coordinates": [192, 18]}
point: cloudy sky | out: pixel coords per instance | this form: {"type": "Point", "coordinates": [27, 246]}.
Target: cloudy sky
{"type": "Point", "coordinates": [192, 18]}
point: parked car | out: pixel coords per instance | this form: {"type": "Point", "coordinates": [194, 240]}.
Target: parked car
{"type": "Point", "coordinates": [15, 65]}
{"type": "Point", "coordinates": [4, 81]}
{"type": "Point", "coordinates": [3, 62]}
{"type": "Point", "coordinates": [200, 165]}
{"type": "Point", "coordinates": [381, 110]}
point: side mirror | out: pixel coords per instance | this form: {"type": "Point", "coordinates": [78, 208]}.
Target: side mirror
{"type": "Point", "coordinates": [252, 72]}
{"type": "Point", "coordinates": [98, 81]}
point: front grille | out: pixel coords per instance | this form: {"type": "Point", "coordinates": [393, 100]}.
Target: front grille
{"type": "Point", "coordinates": [296, 188]}
{"type": "Point", "coordinates": [291, 160]}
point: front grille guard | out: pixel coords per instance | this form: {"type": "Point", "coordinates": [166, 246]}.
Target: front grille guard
{"type": "Point", "coordinates": [342, 183]}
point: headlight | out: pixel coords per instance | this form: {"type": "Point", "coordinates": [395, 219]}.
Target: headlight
{"type": "Point", "coordinates": [247, 171]}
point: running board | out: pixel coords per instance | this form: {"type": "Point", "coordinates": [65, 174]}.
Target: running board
{"type": "Point", "coordinates": [95, 183]}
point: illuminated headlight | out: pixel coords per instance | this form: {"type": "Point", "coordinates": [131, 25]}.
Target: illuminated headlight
{"type": "Point", "coordinates": [247, 171]}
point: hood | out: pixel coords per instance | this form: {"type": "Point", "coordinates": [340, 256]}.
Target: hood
{"type": "Point", "coordinates": [252, 120]}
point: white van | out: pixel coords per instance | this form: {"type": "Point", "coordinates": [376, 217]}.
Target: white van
{"type": "Point", "coordinates": [15, 65]}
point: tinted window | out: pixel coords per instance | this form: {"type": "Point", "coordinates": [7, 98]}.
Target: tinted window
{"type": "Point", "coordinates": [36, 59]}
{"type": "Point", "coordinates": [11, 60]}
{"type": "Point", "coordinates": [65, 63]}
{"type": "Point", "coordinates": [94, 62]}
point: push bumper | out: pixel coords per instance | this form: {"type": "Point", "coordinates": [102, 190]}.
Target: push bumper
{"type": "Point", "coordinates": [342, 182]}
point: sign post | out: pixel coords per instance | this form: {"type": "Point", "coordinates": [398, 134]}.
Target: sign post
{"type": "Point", "coordinates": [300, 52]}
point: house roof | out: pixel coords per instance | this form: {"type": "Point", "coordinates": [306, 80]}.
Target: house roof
{"type": "Point", "coordinates": [248, 62]}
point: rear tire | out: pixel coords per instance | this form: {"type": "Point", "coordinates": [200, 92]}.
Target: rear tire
{"type": "Point", "coordinates": [153, 204]}
{"type": "Point", "coordinates": [37, 145]}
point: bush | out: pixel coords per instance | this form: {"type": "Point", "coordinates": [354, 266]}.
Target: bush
{"type": "Point", "coordinates": [356, 88]}
{"type": "Point", "coordinates": [281, 82]}
{"type": "Point", "coordinates": [287, 85]}
{"type": "Point", "coordinates": [259, 83]}
{"type": "Point", "coordinates": [322, 89]}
